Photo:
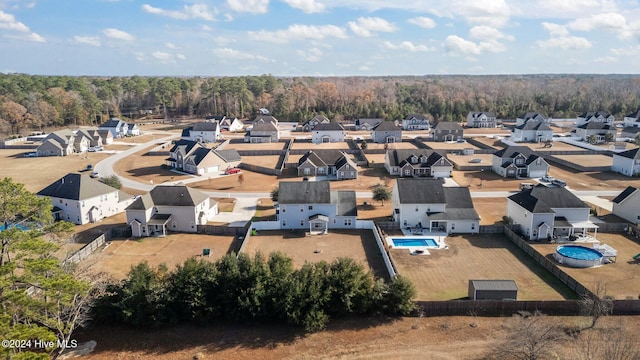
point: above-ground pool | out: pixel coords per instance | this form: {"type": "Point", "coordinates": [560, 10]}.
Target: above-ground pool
{"type": "Point", "coordinates": [422, 242]}
{"type": "Point", "coordinates": [578, 256]}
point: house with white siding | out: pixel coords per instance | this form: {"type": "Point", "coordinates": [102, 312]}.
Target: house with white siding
{"type": "Point", "coordinates": [519, 161]}
{"type": "Point", "coordinates": [308, 125]}
{"type": "Point", "coordinates": [603, 117]}
{"type": "Point", "coordinates": [118, 128]}
{"type": "Point", "coordinates": [414, 122]}
{"type": "Point", "coordinates": [531, 116]}
{"type": "Point", "coordinates": [80, 199]}
{"type": "Point", "coordinates": [543, 213]}
{"type": "Point", "coordinates": [596, 132]}
{"type": "Point", "coordinates": [421, 205]}
{"type": "Point", "coordinates": [386, 132]}
{"type": "Point", "coordinates": [478, 119]}
{"type": "Point", "coordinates": [327, 132]}
{"type": "Point", "coordinates": [632, 120]}
{"type": "Point", "coordinates": [205, 132]}
{"type": "Point", "coordinates": [417, 163]}
{"type": "Point", "coordinates": [175, 208]}
{"type": "Point", "coordinates": [262, 132]}
{"type": "Point", "coordinates": [313, 205]}
{"type": "Point", "coordinates": [627, 205]}
{"type": "Point", "coordinates": [627, 162]}
{"type": "Point", "coordinates": [532, 130]}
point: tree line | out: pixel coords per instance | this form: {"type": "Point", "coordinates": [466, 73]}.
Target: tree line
{"type": "Point", "coordinates": [241, 289]}
{"type": "Point", "coordinates": [29, 102]}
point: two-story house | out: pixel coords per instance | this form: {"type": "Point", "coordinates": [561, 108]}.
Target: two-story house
{"type": "Point", "coordinates": [327, 132]}
{"type": "Point", "coordinates": [627, 162]}
{"type": "Point", "coordinates": [79, 199]}
{"type": "Point", "coordinates": [596, 132]}
{"type": "Point", "coordinates": [263, 132]}
{"type": "Point", "coordinates": [308, 125]}
{"type": "Point", "coordinates": [118, 128]}
{"type": "Point", "coordinates": [180, 151]}
{"type": "Point", "coordinates": [367, 124]}
{"type": "Point", "coordinates": [595, 117]}
{"type": "Point", "coordinates": [544, 212]}
{"type": "Point", "coordinates": [386, 132]}
{"type": "Point", "coordinates": [61, 143]}
{"type": "Point", "coordinates": [203, 161]}
{"type": "Point", "coordinates": [264, 118]}
{"type": "Point", "coordinates": [94, 137]}
{"type": "Point", "coordinates": [531, 116]}
{"type": "Point", "coordinates": [417, 162]}
{"type": "Point", "coordinates": [205, 132]}
{"type": "Point", "coordinates": [426, 205]}
{"type": "Point", "coordinates": [447, 131]}
{"type": "Point", "coordinates": [313, 205]}
{"type": "Point", "coordinates": [477, 119]}
{"type": "Point", "coordinates": [632, 120]}
{"type": "Point", "coordinates": [519, 161]}
{"type": "Point", "coordinates": [627, 205]}
{"type": "Point", "coordinates": [330, 163]}
{"type": "Point", "coordinates": [533, 130]}
{"type": "Point", "coordinates": [414, 122]}
{"type": "Point", "coordinates": [166, 208]}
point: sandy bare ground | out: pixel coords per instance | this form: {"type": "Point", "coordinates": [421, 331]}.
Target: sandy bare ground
{"type": "Point", "coordinates": [486, 180]}
{"type": "Point", "coordinates": [587, 160]}
{"type": "Point", "coordinates": [397, 145]}
{"type": "Point", "coordinates": [463, 160]}
{"type": "Point", "coordinates": [241, 145]}
{"type": "Point", "coordinates": [300, 145]}
{"type": "Point", "coordinates": [302, 247]}
{"type": "Point", "coordinates": [491, 210]}
{"type": "Point", "coordinates": [445, 273]}
{"type": "Point", "coordinates": [118, 257]}
{"type": "Point", "coordinates": [592, 180]}
{"type": "Point", "coordinates": [146, 168]}
{"type": "Point", "coordinates": [441, 145]}
{"type": "Point", "coordinates": [485, 131]}
{"type": "Point", "coordinates": [268, 161]}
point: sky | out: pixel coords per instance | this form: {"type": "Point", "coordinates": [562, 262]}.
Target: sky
{"type": "Point", "coordinates": [318, 37]}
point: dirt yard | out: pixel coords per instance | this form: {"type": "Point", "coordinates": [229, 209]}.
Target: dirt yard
{"type": "Point", "coordinates": [444, 274]}
{"type": "Point", "coordinates": [375, 158]}
{"type": "Point", "coordinates": [398, 145]}
{"type": "Point", "coordinates": [38, 172]}
{"type": "Point", "coordinates": [118, 257]}
{"type": "Point", "coordinates": [373, 210]}
{"type": "Point", "coordinates": [486, 131]}
{"type": "Point", "coordinates": [620, 279]}
{"type": "Point", "coordinates": [587, 160]}
{"type": "Point", "coordinates": [359, 245]}
{"type": "Point", "coordinates": [486, 180]}
{"type": "Point", "coordinates": [592, 180]}
{"type": "Point", "coordinates": [268, 161]}
{"type": "Point", "coordinates": [146, 168]}
{"type": "Point", "coordinates": [241, 145]}
{"type": "Point", "coordinates": [491, 142]}
{"type": "Point", "coordinates": [307, 145]}
{"type": "Point", "coordinates": [463, 160]}
{"type": "Point", "coordinates": [557, 146]}
{"type": "Point", "coordinates": [491, 210]}
{"type": "Point", "coordinates": [441, 145]}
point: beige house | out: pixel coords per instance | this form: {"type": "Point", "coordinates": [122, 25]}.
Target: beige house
{"type": "Point", "coordinates": [207, 161]}
{"type": "Point", "coordinates": [175, 208]}
{"type": "Point", "coordinates": [79, 199]}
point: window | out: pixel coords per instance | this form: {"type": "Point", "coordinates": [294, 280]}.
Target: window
{"type": "Point", "coordinates": [417, 209]}
{"type": "Point", "coordinates": [301, 222]}
{"type": "Point", "coordinates": [284, 223]}
{"type": "Point", "coordinates": [307, 171]}
{"type": "Point", "coordinates": [453, 226]}
{"type": "Point", "coordinates": [283, 209]}
{"type": "Point", "coordinates": [473, 226]}
{"type": "Point", "coordinates": [347, 222]}
{"type": "Point", "coordinates": [310, 207]}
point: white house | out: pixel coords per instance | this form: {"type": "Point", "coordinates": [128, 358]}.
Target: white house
{"type": "Point", "coordinates": [425, 204]}
{"type": "Point", "coordinates": [176, 208]}
{"type": "Point", "coordinates": [311, 123]}
{"type": "Point", "coordinates": [79, 199]}
{"type": "Point", "coordinates": [312, 205]}
{"type": "Point", "coordinates": [519, 161]}
{"type": "Point", "coordinates": [596, 132]}
{"type": "Point", "coordinates": [416, 122]}
{"type": "Point", "coordinates": [417, 162]}
{"type": "Point", "coordinates": [327, 132]}
{"type": "Point", "coordinates": [262, 132]}
{"type": "Point", "coordinates": [627, 205]}
{"type": "Point", "coordinates": [117, 127]}
{"type": "Point", "coordinates": [229, 124]}
{"type": "Point", "coordinates": [632, 120]}
{"type": "Point", "coordinates": [532, 131]}
{"type": "Point", "coordinates": [595, 117]}
{"type": "Point", "coordinates": [478, 119]}
{"type": "Point", "coordinates": [202, 132]}
{"type": "Point", "coordinates": [544, 212]}
{"type": "Point", "coordinates": [386, 132]}
{"type": "Point", "coordinates": [531, 116]}
{"type": "Point", "coordinates": [133, 130]}
{"type": "Point", "coordinates": [627, 162]}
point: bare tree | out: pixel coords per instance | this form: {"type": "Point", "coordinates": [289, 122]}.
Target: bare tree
{"type": "Point", "coordinates": [596, 304]}
{"type": "Point", "coordinates": [607, 343]}
{"type": "Point", "coordinates": [532, 337]}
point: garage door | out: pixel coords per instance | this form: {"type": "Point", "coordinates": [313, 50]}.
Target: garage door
{"type": "Point", "coordinates": [441, 174]}
{"type": "Point", "coordinates": [213, 169]}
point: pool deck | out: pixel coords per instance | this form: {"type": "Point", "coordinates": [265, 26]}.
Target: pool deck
{"type": "Point", "coordinates": [439, 237]}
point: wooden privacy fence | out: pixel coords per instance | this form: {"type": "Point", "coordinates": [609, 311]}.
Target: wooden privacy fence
{"type": "Point", "coordinates": [86, 250]}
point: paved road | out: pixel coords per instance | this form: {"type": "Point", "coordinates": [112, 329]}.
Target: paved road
{"type": "Point", "coordinates": [246, 202]}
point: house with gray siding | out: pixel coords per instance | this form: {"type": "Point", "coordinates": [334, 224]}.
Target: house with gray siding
{"type": "Point", "coordinates": [601, 116]}
{"type": "Point", "coordinates": [417, 163]}
{"type": "Point", "coordinates": [175, 208]}
{"type": "Point", "coordinates": [118, 128]}
{"type": "Point", "coordinates": [313, 205]}
{"type": "Point", "coordinates": [519, 161]}
{"type": "Point", "coordinates": [386, 132]}
{"type": "Point", "coordinates": [447, 131]}
{"type": "Point", "coordinates": [334, 164]}
{"type": "Point", "coordinates": [422, 205]}
{"type": "Point", "coordinates": [367, 124]}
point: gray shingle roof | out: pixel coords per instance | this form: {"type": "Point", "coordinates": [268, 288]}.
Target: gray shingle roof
{"type": "Point", "coordinates": [370, 121]}
{"type": "Point", "coordinates": [448, 125]}
{"type": "Point", "coordinates": [513, 151]}
{"type": "Point", "coordinates": [635, 115]}
{"type": "Point", "coordinates": [199, 154]}
{"type": "Point", "coordinates": [185, 146]}
{"type": "Point", "coordinates": [332, 126]}
{"type": "Point", "coordinates": [322, 157]}
{"type": "Point", "coordinates": [304, 192]}
{"type": "Point", "coordinates": [415, 116]}
{"type": "Point", "coordinates": [399, 157]}
{"type": "Point", "coordinates": [532, 115]}
{"type": "Point", "coordinates": [113, 122]}
{"type": "Point", "coordinates": [495, 285]}
{"type": "Point", "coordinates": [542, 199]}
{"type": "Point", "coordinates": [268, 126]}
{"type": "Point", "coordinates": [206, 126]}
{"type": "Point", "coordinates": [420, 191]}
{"type": "Point", "coordinates": [76, 187]}
{"type": "Point", "coordinates": [387, 126]}
{"type": "Point", "coordinates": [624, 194]}
{"type": "Point", "coordinates": [535, 125]}
{"type": "Point", "coordinates": [345, 201]}
{"type": "Point", "coordinates": [595, 126]}
{"type": "Point", "coordinates": [169, 195]}
{"type": "Point", "coordinates": [228, 155]}
{"type": "Point", "coordinates": [590, 114]}
{"type": "Point", "coordinates": [630, 154]}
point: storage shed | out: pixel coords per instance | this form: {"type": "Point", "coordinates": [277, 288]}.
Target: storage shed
{"type": "Point", "coordinates": [493, 290]}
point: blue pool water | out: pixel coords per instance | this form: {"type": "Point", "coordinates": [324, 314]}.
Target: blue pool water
{"type": "Point", "coordinates": [579, 252]}
{"type": "Point", "coordinates": [22, 227]}
{"type": "Point", "coordinates": [415, 242]}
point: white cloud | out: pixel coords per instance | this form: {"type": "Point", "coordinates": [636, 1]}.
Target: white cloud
{"type": "Point", "coordinates": [170, 45]}
{"type": "Point", "coordinates": [627, 51]}
{"type": "Point", "coordinates": [250, 6]}
{"type": "Point", "coordinates": [87, 40]}
{"type": "Point", "coordinates": [299, 32]}
{"type": "Point", "coordinates": [608, 21]}
{"type": "Point", "coordinates": [555, 29]}
{"type": "Point", "coordinates": [9, 22]}
{"type": "Point", "coordinates": [222, 41]}
{"type": "Point", "coordinates": [311, 55]}
{"type": "Point", "coordinates": [227, 53]}
{"type": "Point", "coordinates": [367, 26]}
{"type": "Point", "coordinates": [181, 57]}
{"type": "Point", "coordinates": [567, 42]}
{"type": "Point", "coordinates": [228, 17]}
{"type": "Point", "coordinates": [406, 45]}
{"type": "Point", "coordinates": [118, 34]}
{"type": "Point", "coordinates": [206, 27]}
{"type": "Point", "coordinates": [483, 32]}
{"type": "Point", "coordinates": [36, 38]}
{"type": "Point", "coordinates": [307, 6]}
{"type": "Point", "coordinates": [495, 13]}
{"type": "Point", "coordinates": [606, 59]}
{"type": "Point", "coordinates": [423, 22]}
{"type": "Point", "coordinates": [570, 8]}
{"type": "Point", "coordinates": [195, 11]}
{"type": "Point", "coordinates": [458, 46]}
{"type": "Point", "coordinates": [162, 56]}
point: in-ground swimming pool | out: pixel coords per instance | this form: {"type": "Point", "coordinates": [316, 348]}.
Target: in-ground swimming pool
{"type": "Point", "coordinates": [423, 242]}
{"type": "Point", "coordinates": [19, 226]}
{"type": "Point", "coordinates": [578, 256]}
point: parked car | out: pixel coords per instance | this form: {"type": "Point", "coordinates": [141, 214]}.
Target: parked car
{"type": "Point", "coordinates": [91, 149]}
{"type": "Point", "coordinates": [232, 171]}
{"type": "Point", "coordinates": [95, 175]}
{"type": "Point", "coordinates": [559, 183]}
{"type": "Point", "coordinates": [547, 178]}
{"type": "Point", "coordinates": [31, 154]}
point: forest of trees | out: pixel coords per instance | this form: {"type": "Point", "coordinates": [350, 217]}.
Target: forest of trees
{"type": "Point", "coordinates": [29, 102]}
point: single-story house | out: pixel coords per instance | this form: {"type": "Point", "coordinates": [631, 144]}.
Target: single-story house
{"type": "Point", "coordinates": [627, 205]}
{"type": "Point", "coordinates": [417, 162]}
{"type": "Point", "coordinates": [176, 208]}
{"type": "Point", "coordinates": [313, 205]}
{"type": "Point", "coordinates": [427, 205]}
{"type": "Point", "coordinates": [330, 163]}
{"type": "Point", "coordinates": [80, 199]}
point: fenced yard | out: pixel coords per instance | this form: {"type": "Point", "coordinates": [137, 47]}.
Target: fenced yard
{"type": "Point", "coordinates": [444, 274]}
